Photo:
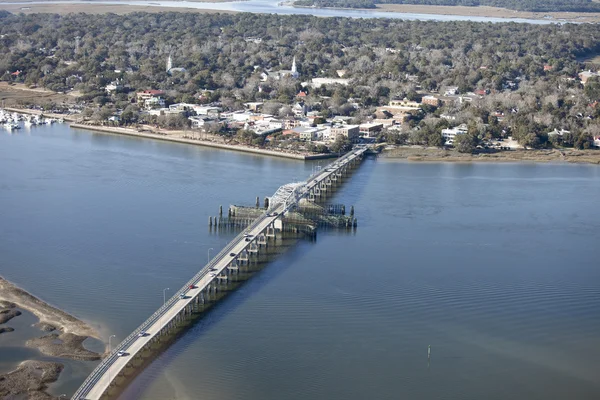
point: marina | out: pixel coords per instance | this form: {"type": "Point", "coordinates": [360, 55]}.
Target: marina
{"type": "Point", "coordinates": [13, 121]}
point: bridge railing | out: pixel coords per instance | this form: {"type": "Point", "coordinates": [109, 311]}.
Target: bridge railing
{"type": "Point", "coordinates": [101, 368]}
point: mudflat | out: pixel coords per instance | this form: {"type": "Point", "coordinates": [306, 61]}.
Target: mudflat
{"type": "Point", "coordinates": [485, 11]}
{"type": "Point", "coordinates": [65, 340]}
{"type": "Point", "coordinates": [416, 154]}
{"type": "Point", "coordinates": [29, 380]}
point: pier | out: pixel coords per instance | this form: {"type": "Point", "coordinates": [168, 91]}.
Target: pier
{"type": "Point", "coordinates": [205, 286]}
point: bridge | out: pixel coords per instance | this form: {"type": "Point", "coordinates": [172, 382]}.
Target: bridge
{"type": "Point", "coordinates": [191, 298]}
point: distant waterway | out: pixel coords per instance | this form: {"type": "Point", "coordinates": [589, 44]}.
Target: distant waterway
{"type": "Point", "coordinates": [493, 265]}
{"type": "Point", "coordinates": [283, 8]}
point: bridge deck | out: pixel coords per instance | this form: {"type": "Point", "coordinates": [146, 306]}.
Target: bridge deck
{"type": "Point", "coordinates": [96, 385]}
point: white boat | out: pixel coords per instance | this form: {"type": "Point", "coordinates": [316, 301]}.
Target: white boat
{"type": "Point", "coordinates": [11, 126]}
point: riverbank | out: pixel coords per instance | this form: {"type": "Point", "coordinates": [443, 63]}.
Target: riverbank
{"type": "Point", "coordinates": [419, 154]}
{"type": "Point", "coordinates": [187, 138]}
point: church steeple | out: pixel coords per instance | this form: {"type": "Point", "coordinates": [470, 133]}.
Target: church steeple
{"type": "Point", "coordinates": [169, 63]}
{"type": "Point", "coordinates": [294, 68]}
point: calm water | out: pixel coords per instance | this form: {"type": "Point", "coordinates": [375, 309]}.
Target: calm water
{"type": "Point", "coordinates": [277, 7]}
{"type": "Point", "coordinates": [494, 266]}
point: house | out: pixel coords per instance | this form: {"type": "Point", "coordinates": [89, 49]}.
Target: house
{"type": "Point", "coordinates": [318, 82]}
{"type": "Point", "coordinates": [597, 141]}
{"type": "Point", "coordinates": [448, 117]}
{"type": "Point", "coordinates": [404, 104]}
{"type": "Point", "coordinates": [255, 106]}
{"type": "Point", "coordinates": [199, 122]}
{"type": "Point", "coordinates": [352, 132]}
{"type": "Point", "coordinates": [586, 75]}
{"type": "Point", "coordinates": [557, 132]}
{"type": "Point", "coordinates": [181, 107]}
{"type": "Point", "coordinates": [451, 91]}
{"type": "Point", "coordinates": [154, 102]}
{"type": "Point", "coordinates": [299, 109]}
{"type": "Point", "coordinates": [148, 94]}
{"type": "Point", "coordinates": [431, 100]}
{"type": "Point", "coordinates": [340, 119]}
{"type": "Point", "coordinates": [548, 67]}
{"type": "Point", "coordinates": [307, 134]}
{"type": "Point", "coordinates": [370, 130]}
{"type": "Point", "coordinates": [482, 92]}
{"type": "Point", "coordinates": [290, 123]}
{"type": "Point", "coordinates": [113, 86]}
{"type": "Point", "coordinates": [450, 133]}
{"type": "Point", "coordinates": [206, 110]}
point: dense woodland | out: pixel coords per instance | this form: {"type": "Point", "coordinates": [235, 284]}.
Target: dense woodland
{"type": "Point", "coordinates": [519, 5]}
{"type": "Point", "coordinates": [384, 59]}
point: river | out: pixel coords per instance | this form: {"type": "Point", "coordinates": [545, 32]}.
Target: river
{"type": "Point", "coordinates": [493, 265]}
{"type": "Point", "coordinates": [279, 7]}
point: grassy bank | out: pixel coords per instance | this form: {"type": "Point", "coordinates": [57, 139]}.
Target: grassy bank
{"type": "Point", "coordinates": [419, 154]}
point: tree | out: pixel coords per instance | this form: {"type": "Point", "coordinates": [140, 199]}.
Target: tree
{"type": "Point", "coordinates": [465, 143]}
{"type": "Point", "coordinates": [341, 145]}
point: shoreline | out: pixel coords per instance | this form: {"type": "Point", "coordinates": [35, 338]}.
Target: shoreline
{"type": "Point", "coordinates": [63, 338]}
{"type": "Point", "coordinates": [436, 155]}
{"type": "Point", "coordinates": [29, 111]}
{"type": "Point", "coordinates": [46, 313]}
{"type": "Point", "coordinates": [166, 137]}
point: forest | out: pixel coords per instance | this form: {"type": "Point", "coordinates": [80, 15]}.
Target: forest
{"type": "Point", "coordinates": [518, 5]}
{"type": "Point", "coordinates": [530, 71]}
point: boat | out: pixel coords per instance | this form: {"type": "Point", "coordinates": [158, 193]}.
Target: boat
{"type": "Point", "coordinates": [11, 126]}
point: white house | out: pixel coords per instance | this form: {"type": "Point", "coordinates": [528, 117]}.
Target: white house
{"type": "Point", "coordinates": [557, 132]}
{"type": "Point", "coordinates": [318, 82]}
{"type": "Point", "coordinates": [451, 91]}
{"type": "Point", "coordinates": [113, 86]}
{"type": "Point", "coordinates": [450, 134]}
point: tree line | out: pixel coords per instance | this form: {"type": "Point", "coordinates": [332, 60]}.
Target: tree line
{"type": "Point", "coordinates": [529, 70]}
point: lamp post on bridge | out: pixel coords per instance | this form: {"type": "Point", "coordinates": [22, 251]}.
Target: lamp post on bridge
{"type": "Point", "coordinates": [164, 298]}
{"type": "Point", "coordinates": [208, 256]}
{"type": "Point", "coordinates": [109, 352]}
